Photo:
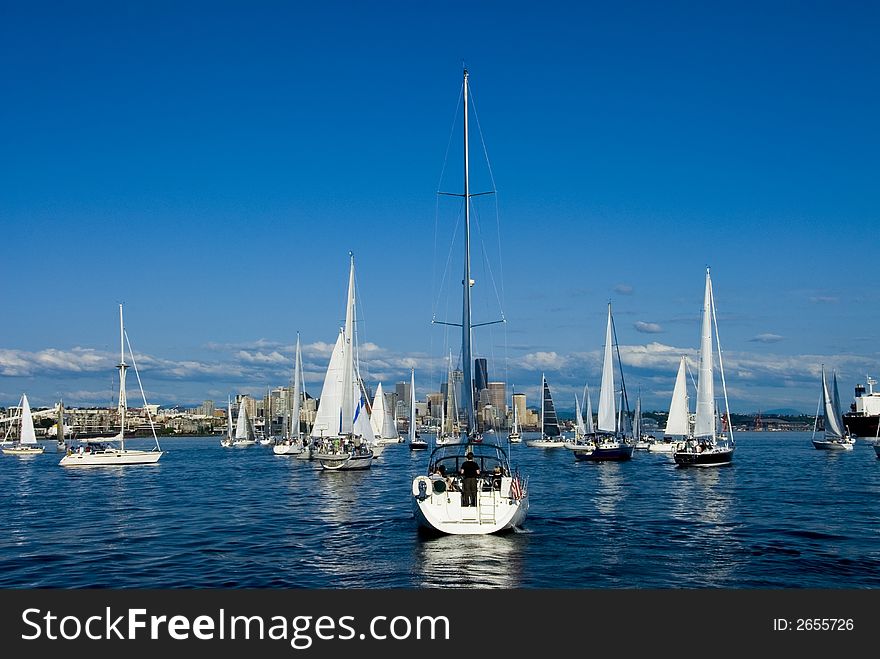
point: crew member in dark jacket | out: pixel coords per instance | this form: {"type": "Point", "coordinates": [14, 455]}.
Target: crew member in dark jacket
{"type": "Point", "coordinates": [469, 472]}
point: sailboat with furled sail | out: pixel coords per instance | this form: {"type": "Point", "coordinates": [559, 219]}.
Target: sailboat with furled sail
{"type": "Point", "coordinates": [106, 452]}
{"type": "Point", "coordinates": [502, 499]}
{"type": "Point", "coordinates": [705, 448]}
{"type": "Point", "coordinates": [835, 438]}
{"type": "Point", "coordinates": [414, 440]}
{"type": "Point", "coordinates": [514, 436]}
{"type": "Point", "coordinates": [551, 435]}
{"type": "Point", "coordinates": [342, 425]}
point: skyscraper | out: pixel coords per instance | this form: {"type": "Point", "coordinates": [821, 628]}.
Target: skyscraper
{"type": "Point", "coordinates": [481, 375]}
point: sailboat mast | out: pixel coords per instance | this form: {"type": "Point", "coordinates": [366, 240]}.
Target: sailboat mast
{"type": "Point", "coordinates": [543, 389]}
{"type": "Point", "coordinates": [467, 360]}
{"type": "Point", "coordinates": [123, 403]}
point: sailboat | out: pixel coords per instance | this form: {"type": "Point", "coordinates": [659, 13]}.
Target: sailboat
{"type": "Point", "coordinates": [502, 500]}
{"type": "Point", "coordinates": [226, 442]}
{"type": "Point", "coordinates": [584, 430]}
{"type": "Point", "coordinates": [415, 441]}
{"type": "Point", "coordinates": [448, 432]}
{"type": "Point", "coordinates": [551, 436]}
{"type": "Point", "coordinates": [382, 420]}
{"type": "Point", "coordinates": [678, 425]}
{"type": "Point", "coordinates": [27, 437]}
{"type": "Point", "coordinates": [245, 435]}
{"type": "Point", "coordinates": [267, 439]}
{"type": "Point", "coordinates": [704, 448]}
{"type": "Point", "coordinates": [610, 443]}
{"type": "Point", "coordinates": [292, 443]}
{"type": "Point", "coordinates": [94, 453]}
{"type": "Point", "coordinates": [342, 424]}
{"type": "Point", "coordinates": [836, 438]}
{"type": "Point", "coordinates": [641, 440]}
{"type": "Point", "coordinates": [514, 436]}
{"type": "Point", "coordinates": [60, 443]}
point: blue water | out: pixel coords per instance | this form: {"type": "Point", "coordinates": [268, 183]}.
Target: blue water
{"type": "Point", "coordinates": [783, 515]}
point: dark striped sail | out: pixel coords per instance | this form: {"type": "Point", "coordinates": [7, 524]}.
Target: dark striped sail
{"type": "Point", "coordinates": [550, 425]}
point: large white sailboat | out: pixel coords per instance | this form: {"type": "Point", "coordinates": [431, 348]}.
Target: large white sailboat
{"type": "Point", "coordinates": [612, 441]}
{"type": "Point", "coordinates": [705, 447]}
{"type": "Point", "coordinates": [27, 436]}
{"type": "Point", "coordinates": [111, 450]}
{"type": "Point", "coordinates": [293, 442]}
{"type": "Point", "coordinates": [551, 436]}
{"type": "Point", "coordinates": [502, 499]}
{"type": "Point", "coordinates": [835, 437]}
{"type": "Point", "coordinates": [342, 429]}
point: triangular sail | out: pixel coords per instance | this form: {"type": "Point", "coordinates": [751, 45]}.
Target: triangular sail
{"type": "Point", "coordinates": [377, 420]}
{"type": "Point", "coordinates": [833, 423]}
{"type": "Point", "coordinates": [412, 406]}
{"type": "Point", "coordinates": [607, 413]}
{"type": "Point", "coordinates": [28, 434]}
{"type": "Point", "coordinates": [330, 404]}
{"type": "Point", "coordinates": [637, 419]}
{"type": "Point", "coordinates": [624, 427]}
{"type": "Point", "coordinates": [677, 422]}
{"type": "Point", "coordinates": [549, 422]}
{"type": "Point", "coordinates": [243, 427]}
{"type": "Point", "coordinates": [230, 433]}
{"type": "Point", "coordinates": [578, 419]}
{"type": "Point", "coordinates": [836, 395]}
{"type": "Point", "coordinates": [704, 424]}
{"type": "Point", "coordinates": [589, 428]}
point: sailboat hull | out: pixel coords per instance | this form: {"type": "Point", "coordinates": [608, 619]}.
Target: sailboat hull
{"type": "Point", "coordinates": [22, 450]}
{"type": "Point", "coordinates": [109, 457]}
{"type": "Point", "coordinates": [441, 512]}
{"type": "Point", "coordinates": [833, 445]}
{"type": "Point", "coordinates": [606, 453]}
{"type": "Point", "coordinates": [344, 461]}
{"type": "Point", "coordinates": [546, 443]}
{"type": "Point", "coordinates": [708, 458]}
{"type": "Point", "coordinates": [287, 449]}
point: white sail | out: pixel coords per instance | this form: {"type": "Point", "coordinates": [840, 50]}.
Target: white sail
{"type": "Point", "coordinates": [589, 428]}
{"type": "Point", "coordinates": [607, 413]}
{"type": "Point", "coordinates": [833, 422]}
{"type": "Point", "coordinates": [28, 435]}
{"type": "Point", "coordinates": [361, 422]}
{"type": "Point", "coordinates": [704, 424]}
{"type": "Point", "coordinates": [515, 428]}
{"type": "Point", "coordinates": [327, 418]}
{"type": "Point", "coordinates": [377, 420]}
{"type": "Point", "coordinates": [412, 406]}
{"type": "Point", "coordinates": [578, 419]}
{"type": "Point", "coordinates": [296, 403]}
{"type": "Point", "coordinates": [677, 422]}
{"type": "Point", "coordinates": [242, 428]}
{"type": "Point", "coordinates": [230, 433]}
{"type": "Point", "coordinates": [637, 419]}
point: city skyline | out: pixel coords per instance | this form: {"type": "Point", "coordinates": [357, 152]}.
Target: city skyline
{"type": "Point", "coordinates": [212, 166]}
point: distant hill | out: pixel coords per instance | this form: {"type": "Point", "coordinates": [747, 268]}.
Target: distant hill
{"type": "Point", "coordinates": [782, 411]}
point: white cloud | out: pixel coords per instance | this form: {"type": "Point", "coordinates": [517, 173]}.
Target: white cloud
{"type": "Point", "coordinates": [767, 338]}
{"type": "Point", "coordinates": [623, 289]}
{"type": "Point", "coordinates": [648, 328]}
{"type": "Point", "coordinates": [538, 361]}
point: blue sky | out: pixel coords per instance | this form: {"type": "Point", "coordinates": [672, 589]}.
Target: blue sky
{"type": "Point", "coordinates": [211, 164]}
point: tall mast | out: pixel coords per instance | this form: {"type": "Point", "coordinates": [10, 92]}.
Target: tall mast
{"type": "Point", "coordinates": [123, 404]}
{"type": "Point", "coordinates": [466, 358]}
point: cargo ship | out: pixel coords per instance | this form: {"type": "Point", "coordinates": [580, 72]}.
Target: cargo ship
{"type": "Point", "coordinates": [863, 419]}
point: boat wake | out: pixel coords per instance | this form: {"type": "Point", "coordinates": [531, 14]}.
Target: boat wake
{"type": "Point", "coordinates": [519, 529]}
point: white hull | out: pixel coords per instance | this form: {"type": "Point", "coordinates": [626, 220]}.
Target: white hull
{"type": "Point", "coordinates": [384, 441]}
{"type": "Point", "coordinates": [267, 442]}
{"type": "Point", "coordinates": [442, 512]}
{"type": "Point", "coordinates": [243, 443]}
{"type": "Point", "coordinates": [110, 457]}
{"type": "Point", "coordinates": [546, 443]}
{"type": "Point", "coordinates": [661, 447]}
{"type": "Point", "coordinates": [305, 454]}
{"type": "Point", "coordinates": [578, 446]}
{"type": "Point", "coordinates": [60, 447]}
{"type": "Point", "coordinates": [22, 450]}
{"type": "Point", "coordinates": [344, 461]}
{"type": "Point", "coordinates": [226, 443]}
{"type": "Point", "coordinates": [514, 439]}
{"type": "Point", "coordinates": [287, 449]}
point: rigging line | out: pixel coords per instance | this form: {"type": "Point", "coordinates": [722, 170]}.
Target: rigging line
{"type": "Point", "coordinates": [620, 365]}
{"type": "Point", "coordinates": [451, 134]}
{"type": "Point", "coordinates": [721, 362]}
{"type": "Point", "coordinates": [487, 262]}
{"type": "Point", "coordinates": [141, 386]}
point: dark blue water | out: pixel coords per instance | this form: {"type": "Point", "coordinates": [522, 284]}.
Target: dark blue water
{"type": "Point", "coordinates": [783, 515]}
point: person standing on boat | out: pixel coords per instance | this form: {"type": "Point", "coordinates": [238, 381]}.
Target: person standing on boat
{"type": "Point", "coordinates": [469, 472]}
